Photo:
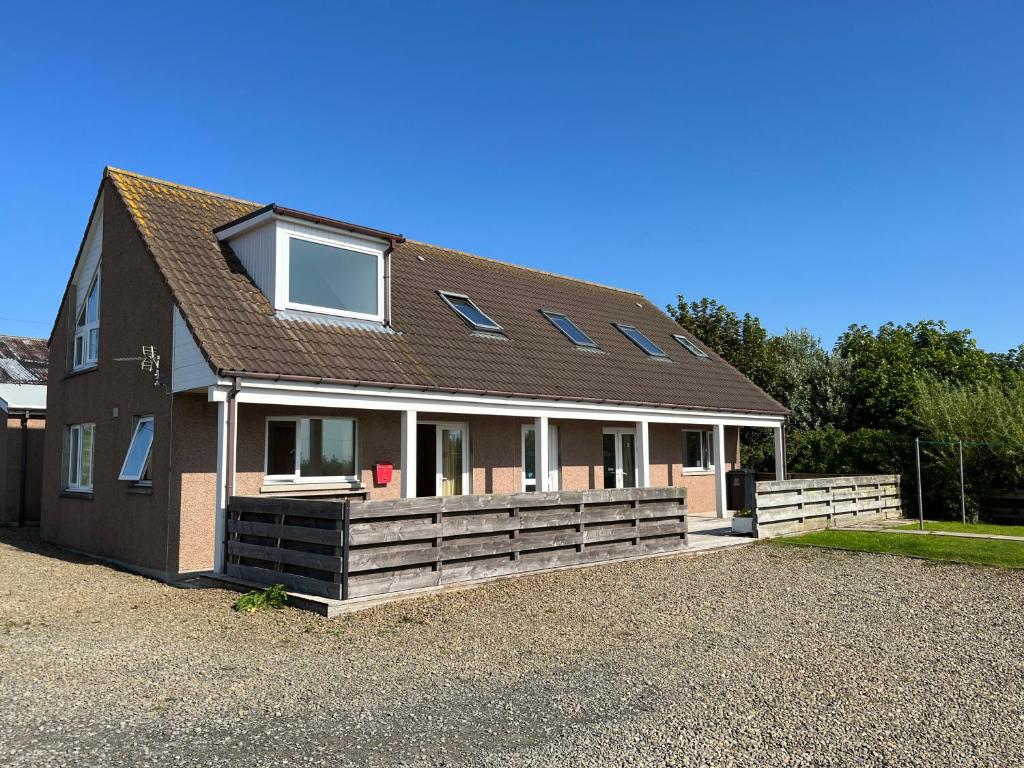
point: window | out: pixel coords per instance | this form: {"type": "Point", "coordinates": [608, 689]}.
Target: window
{"type": "Point", "coordinates": [338, 280]}
{"type": "Point", "coordinates": [136, 461]}
{"type": "Point", "coordinates": [698, 450]}
{"type": "Point", "coordinates": [569, 328]}
{"type": "Point", "coordinates": [641, 341]}
{"type": "Point", "coordinates": [87, 328]}
{"type": "Point", "coordinates": [690, 347]}
{"type": "Point", "coordinates": [470, 312]}
{"type": "Point", "coordinates": [305, 449]}
{"type": "Point", "coordinates": [79, 444]}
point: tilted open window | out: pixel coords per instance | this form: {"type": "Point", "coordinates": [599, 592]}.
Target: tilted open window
{"type": "Point", "coordinates": [571, 331]}
{"type": "Point", "coordinates": [464, 307]}
{"type": "Point", "coordinates": [136, 461]}
{"type": "Point", "coordinates": [690, 347]}
{"type": "Point", "coordinates": [648, 346]}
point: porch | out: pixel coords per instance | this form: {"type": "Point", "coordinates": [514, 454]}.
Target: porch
{"type": "Point", "coordinates": [284, 440]}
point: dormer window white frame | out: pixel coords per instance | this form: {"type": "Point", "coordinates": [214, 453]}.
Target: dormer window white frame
{"type": "Point", "coordinates": [348, 256]}
{"type": "Point", "coordinates": [86, 348]}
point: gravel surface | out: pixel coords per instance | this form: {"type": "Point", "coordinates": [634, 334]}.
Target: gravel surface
{"type": "Point", "coordinates": [760, 656]}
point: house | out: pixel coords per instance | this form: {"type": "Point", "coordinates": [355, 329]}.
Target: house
{"type": "Point", "coordinates": [23, 363]}
{"type": "Point", "coordinates": [210, 347]}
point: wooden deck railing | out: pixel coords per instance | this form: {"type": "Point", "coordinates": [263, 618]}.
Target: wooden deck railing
{"type": "Point", "coordinates": [357, 548]}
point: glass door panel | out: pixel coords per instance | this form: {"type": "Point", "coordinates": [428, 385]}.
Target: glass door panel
{"type": "Point", "coordinates": [628, 452]}
{"type": "Point", "coordinates": [611, 460]}
{"type": "Point", "coordinates": [451, 461]}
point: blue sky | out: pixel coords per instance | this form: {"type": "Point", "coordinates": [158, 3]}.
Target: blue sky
{"type": "Point", "coordinates": [816, 164]}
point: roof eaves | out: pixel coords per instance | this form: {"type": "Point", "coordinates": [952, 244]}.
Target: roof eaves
{"type": "Point", "coordinates": [323, 221]}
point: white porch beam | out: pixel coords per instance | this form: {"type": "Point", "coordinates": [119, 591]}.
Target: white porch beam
{"type": "Point", "coordinates": [408, 454]}
{"type": "Point", "coordinates": [720, 489]}
{"type": "Point", "coordinates": [540, 454]}
{"type": "Point", "coordinates": [366, 398]}
{"type": "Point", "coordinates": [643, 455]}
{"type": "Point", "coordinates": [780, 454]}
{"type": "Point", "coordinates": [221, 503]}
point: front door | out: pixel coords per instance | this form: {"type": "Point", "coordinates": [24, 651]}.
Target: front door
{"type": "Point", "coordinates": [452, 460]}
{"type": "Point", "coordinates": [619, 458]}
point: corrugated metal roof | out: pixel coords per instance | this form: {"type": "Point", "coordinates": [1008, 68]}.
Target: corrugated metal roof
{"type": "Point", "coordinates": [23, 360]}
{"type": "Point", "coordinates": [239, 331]}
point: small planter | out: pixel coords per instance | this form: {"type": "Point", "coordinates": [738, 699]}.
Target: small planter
{"type": "Point", "coordinates": [743, 526]}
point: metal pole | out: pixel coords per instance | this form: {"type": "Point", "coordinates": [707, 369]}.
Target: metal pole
{"type": "Point", "coordinates": [963, 500]}
{"type": "Point", "coordinates": [920, 497]}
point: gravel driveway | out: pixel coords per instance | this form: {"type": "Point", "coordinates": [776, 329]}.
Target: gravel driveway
{"type": "Point", "coordinates": [760, 656]}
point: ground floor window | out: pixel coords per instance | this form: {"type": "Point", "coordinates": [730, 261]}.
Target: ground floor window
{"type": "Point", "coordinates": [310, 448]}
{"type": "Point", "coordinates": [79, 444]}
{"type": "Point", "coordinates": [698, 450]}
{"type": "Point", "coordinates": [136, 461]}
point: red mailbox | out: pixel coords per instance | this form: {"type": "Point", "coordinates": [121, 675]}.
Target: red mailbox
{"type": "Point", "coordinates": [382, 472]}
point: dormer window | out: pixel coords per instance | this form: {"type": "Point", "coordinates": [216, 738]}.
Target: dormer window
{"type": "Point", "coordinates": [87, 328]}
{"type": "Point", "coordinates": [335, 280]}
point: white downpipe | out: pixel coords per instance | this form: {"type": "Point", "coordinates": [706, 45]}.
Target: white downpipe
{"type": "Point", "coordinates": [720, 488]}
{"type": "Point", "coordinates": [542, 443]}
{"type": "Point", "coordinates": [409, 459]}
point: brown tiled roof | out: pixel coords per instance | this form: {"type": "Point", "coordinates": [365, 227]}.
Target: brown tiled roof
{"type": "Point", "coordinates": [238, 330]}
{"type": "Point", "coordinates": [23, 360]}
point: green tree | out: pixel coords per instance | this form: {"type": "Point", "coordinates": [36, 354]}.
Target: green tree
{"type": "Point", "coordinates": [883, 369]}
{"type": "Point", "coordinates": [811, 382]}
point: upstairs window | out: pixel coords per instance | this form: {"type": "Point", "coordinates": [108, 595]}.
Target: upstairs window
{"type": "Point", "coordinates": [317, 450]}
{"type": "Point", "coordinates": [335, 280]}
{"type": "Point", "coordinates": [648, 346]}
{"type": "Point", "coordinates": [470, 312]}
{"type": "Point", "coordinates": [690, 347]}
{"type": "Point", "coordinates": [569, 328]}
{"type": "Point", "coordinates": [87, 328]}
{"type": "Point", "coordinates": [698, 450]}
{"type": "Point", "coordinates": [136, 462]}
{"type": "Point", "coordinates": [79, 444]}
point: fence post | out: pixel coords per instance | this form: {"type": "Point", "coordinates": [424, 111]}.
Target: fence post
{"type": "Point", "coordinates": [345, 505]}
{"type": "Point", "coordinates": [963, 500]}
{"type": "Point", "coordinates": [920, 497]}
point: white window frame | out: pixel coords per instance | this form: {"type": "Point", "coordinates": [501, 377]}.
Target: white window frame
{"type": "Point", "coordinates": [295, 478]}
{"type": "Point", "coordinates": [554, 459]}
{"type": "Point", "coordinates": [83, 333]}
{"type": "Point", "coordinates": [707, 452]}
{"type": "Point", "coordinates": [137, 477]}
{"type": "Point", "coordinates": [286, 278]}
{"type": "Point", "coordinates": [73, 469]}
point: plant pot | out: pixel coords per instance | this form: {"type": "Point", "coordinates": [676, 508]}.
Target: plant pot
{"type": "Point", "coordinates": [743, 525]}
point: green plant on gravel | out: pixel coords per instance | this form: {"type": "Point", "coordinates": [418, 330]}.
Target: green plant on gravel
{"type": "Point", "coordinates": [273, 596]}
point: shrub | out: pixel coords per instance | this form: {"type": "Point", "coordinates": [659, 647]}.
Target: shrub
{"type": "Point", "coordinates": [273, 596]}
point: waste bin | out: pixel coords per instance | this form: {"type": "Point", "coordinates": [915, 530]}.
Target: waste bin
{"type": "Point", "coordinates": [740, 485]}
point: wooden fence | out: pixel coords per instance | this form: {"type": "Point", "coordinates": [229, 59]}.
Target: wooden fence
{"type": "Point", "coordinates": [792, 506]}
{"type": "Point", "coordinates": [1005, 507]}
{"type": "Point", "coordinates": [345, 549]}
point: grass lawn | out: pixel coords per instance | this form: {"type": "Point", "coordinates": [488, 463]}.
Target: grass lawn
{"type": "Point", "coordinates": [954, 527]}
{"type": "Point", "coordinates": [1006, 554]}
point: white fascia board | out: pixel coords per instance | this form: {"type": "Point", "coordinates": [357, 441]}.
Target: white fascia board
{"type": "Point", "coordinates": [265, 392]}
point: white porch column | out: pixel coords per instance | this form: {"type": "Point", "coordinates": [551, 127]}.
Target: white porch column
{"type": "Point", "coordinates": [220, 524]}
{"type": "Point", "coordinates": [720, 489]}
{"type": "Point", "coordinates": [780, 454]}
{"type": "Point", "coordinates": [540, 453]}
{"type": "Point", "coordinates": [643, 455]}
{"type": "Point", "coordinates": [408, 454]}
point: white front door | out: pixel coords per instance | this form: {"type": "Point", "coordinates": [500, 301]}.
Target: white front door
{"type": "Point", "coordinates": [619, 451]}
{"type": "Point", "coordinates": [452, 459]}
{"type": "Point", "coordinates": [529, 454]}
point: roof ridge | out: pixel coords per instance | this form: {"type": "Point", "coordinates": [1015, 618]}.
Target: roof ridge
{"type": "Point", "coordinates": [528, 269]}
{"type": "Point", "coordinates": [26, 338]}
{"type": "Point", "coordinates": [108, 170]}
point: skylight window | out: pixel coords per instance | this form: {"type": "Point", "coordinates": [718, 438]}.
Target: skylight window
{"type": "Point", "coordinates": [470, 312]}
{"type": "Point", "coordinates": [569, 328]}
{"type": "Point", "coordinates": [641, 341]}
{"type": "Point", "coordinates": [690, 347]}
